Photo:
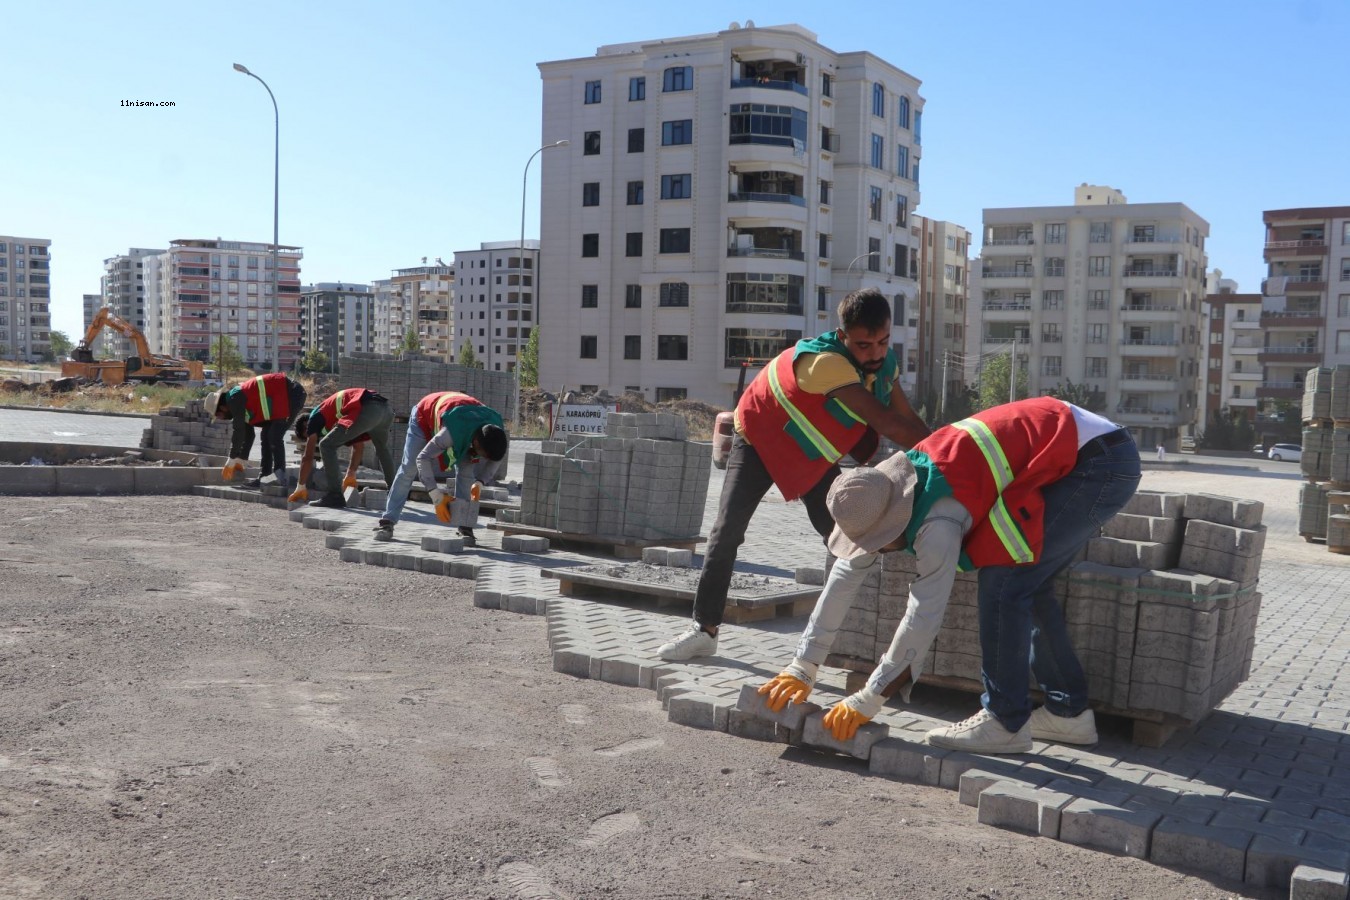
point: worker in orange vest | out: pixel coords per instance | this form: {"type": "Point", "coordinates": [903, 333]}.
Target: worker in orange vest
{"type": "Point", "coordinates": [269, 403]}
{"type": "Point", "coordinates": [348, 418]}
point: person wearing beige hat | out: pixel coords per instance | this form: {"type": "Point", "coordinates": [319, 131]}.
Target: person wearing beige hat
{"type": "Point", "coordinates": [1016, 490]}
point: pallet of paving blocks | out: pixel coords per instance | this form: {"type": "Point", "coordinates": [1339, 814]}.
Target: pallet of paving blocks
{"type": "Point", "coordinates": [1326, 457]}
{"type": "Point", "coordinates": [1162, 611]}
{"type": "Point", "coordinates": [406, 381]}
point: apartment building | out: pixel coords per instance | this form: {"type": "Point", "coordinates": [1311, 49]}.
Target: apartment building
{"type": "Point", "coordinates": [123, 289]}
{"type": "Point", "coordinates": [1105, 293]}
{"type": "Point", "coordinates": [382, 291]}
{"type": "Point", "coordinates": [337, 319]}
{"type": "Point", "coordinates": [495, 301]}
{"type": "Point", "coordinates": [25, 298]}
{"type": "Point", "coordinates": [1233, 375]}
{"type": "Point", "coordinates": [200, 289]}
{"type": "Point", "coordinates": [1305, 310]}
{"type": "Point", "coordinates": [721, 193]}
{"type": "Point", "coordinates": [421, 298]}
{"type": "Point", "coordinates": [92, 303]}
{"type": "Point", "coordinates": [939, 314]}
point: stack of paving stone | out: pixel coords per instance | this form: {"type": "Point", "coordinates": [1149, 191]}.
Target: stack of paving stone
{"type": "Point", "coordinates": [641, 481]}
{"type": "Point", "coordinates": [1162, 610]}
{"type": "Point", "coordinates": [407, 380]}
{"type": "Point", "coordinates": [187, 428]}
{"type": "Point", "coordinates": [1326, 454]}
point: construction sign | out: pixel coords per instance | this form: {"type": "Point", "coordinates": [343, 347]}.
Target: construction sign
{"type": "Point", "coordinates": [579, 418]}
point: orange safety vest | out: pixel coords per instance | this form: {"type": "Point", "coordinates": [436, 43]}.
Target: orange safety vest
{"type": "Point", "coordinates": [428, 411]}
{"type": "Point", "coordinates": [267, 398]}
{"type": "Point", "coordinates": [342, 408]}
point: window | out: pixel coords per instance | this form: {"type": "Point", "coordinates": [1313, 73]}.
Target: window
{"type": "Point", "coordinates": [590, 193]}
{"type": "Point", "coordinates": [1050, 333]}
{"type": "Point", "coordinates": [637, 88]}
{"type": "Point", "coordinates": [900, 262]}
{"type": "Point", "coordinates": [823, 246]}
{"type": "Point", "coordinates": [918, 126]}
{"type": "Point", "coordinates": [1343, 342]}
{"type": "Point", "coordinates": [1099, 233]}
{"type": "Point", "coordinates": [634, 193]}
{"type": "Point", "coordinates": [756, 292]}
{"type": "Point", "coordinates": [632, 244]}
{"type": "Point", "coordinates": [591, 144]}
{"type": "Point", "coordinates": [1054, 233]}
{"type": "Point", "coordinates": [636, 140]}
{"type": "Point", "coordinates": [677, 131]}
{"type": "Point", "coordinates": [1096, 333]}
{"type": "Point", "coordinates": [1142, 234]}
{"type": "Point", "coordinates": [826, 84]}
{"type": "Point", "coordinates": [674, 240]}
{"type": "Point", "coordinates": [672, 346]}
{"type": "Point", "coordinates": [822, 299]}
{"type": "Point", "coordinates": [1096, 366]}
{"type": "Point", "coordinates": [590, 245]}
{"type": "Point", "coordinates": [589, 346]}
{"type": "Point", "coordinates": [878, 152]}
{"type": "Point", "coordinates": [1054, 265]}
{"type": "Point", "coordinates": [673, 293]}
{"type": "Point", "coordinates": [678, 78]}
{"type": "Point", "coordinates": [914, 175]}
{"type": "Point", "coordinates": [590, 296]}
{"type": "Point", "coordinates": [762, 123]}
{"type": "Point", "coordinates": [902, 112]}
{"type": "Point", "coordinates": [902, 161]}
{"type": "Point", "coordinates": [874, 204]}
{"type": "Point", "coordinates": [632, 346]}
{"type": "Point", "coordinates": [756, 344]}
{"type": "Point", "coordinates": [825, 187]}
{"type": "Point", "coordinates": [879, 100]}
{"type": "Point", "coordinates": [1052, 365]}
{"type": "Point", "coordinates": [676, 187]}
{"type": "Point", "coordinates": [874, 254]}
{"type": "Point", "coordinates": [671, 393]}
{"type": "Point", "coordinates": [1343, 305]}
{"type": "Point", "coordinates": [1097, 299]}
{"type": "Point", "coordinates": [592, 92]}
{"type": "Point", "coordinates": [1099, 265]}
{"type": "Point", "coordinates": [901, 210]}
{"type": "Point", "coordinates": [632, 296]}
{"type": "Point", "coordinates": [1052, 299]}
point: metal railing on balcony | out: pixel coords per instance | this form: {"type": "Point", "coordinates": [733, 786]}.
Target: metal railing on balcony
{"type": "Point", "coordinates": [1291, 314]}
{"type": "Point", "coordinates": [1293, 351]}
{"type": "Point", "coordinates": [764, 197]}
{"type": "Point", "coordinates": [1290, 245]}
{"type": "Point", "coordinates": [771, 84]}
{"type": "Point", "coordinates": [1007, 306]}
{"type": "Point", "coordinates": [1096, 304]}
{"type": "Point", "coordinates": [1009, 242]}
{"type": "Point", "coordinates": [1150, 273]}
{"type": "Point", "coordinates": [1146, 410]}
{"type": "Point", "coordinates": [1149, 342]}
{"type": "Point", "coordinates": [1147, 307]}
{"type": "Point", "coordinates": [1153, 239]}
{"type": "Point", "coordinates": [1306, 278]}
{"type": "Point", "coordinates": [1148, 376]}
{"type": "Point", "coordinates": [1280, 385]}
{"type": "Point", "coordinates": [766, 253]}
{"type": "Point", "coordinates": [1054, 271]}
{"type": "Point", "coordinates": [1007, 273]}
{"type": "Point", "coordinates": [1055, 338]}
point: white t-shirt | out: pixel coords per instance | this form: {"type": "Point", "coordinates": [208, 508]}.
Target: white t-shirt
{"type": "Point", "coordinates": [1090, 425]}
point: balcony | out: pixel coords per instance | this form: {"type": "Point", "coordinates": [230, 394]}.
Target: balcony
{"type": "Point", "coordinates": [1145, 415]}
{"type": "Point", "coordinates": [766, 253]}
{"type": "Point", "coordinates": [1292, 318]}
{"type": "Point", "coordinates": [1054, 271]}
{"type": "Point", "coordinates": [765, 197]}
{"type": "Point", "coordinates": [1137, 239]}
{"type": "Point", "coordinates": [1302, 355]}
{"type": "Point", "coordinates": [1279, 390]}
{"type": "Point", "coordinates": [771, 84]}
{"type": "Point", "coordinates": [1149, 347]}
{"type": "Point", "coordinates": [1006, 306]}
{"type": "Point", "coordinates": [1278, 285]}
{"type": "Point", "coordinates": [1284, 249]}
{"type": "Point", "coordinates": [1148, 381]}
{"type": "Point", "coordinates": [1141, 272]}
{"type": "Point", "coordinates": [1008, 273]}
{"type": "Point", "coordinates": [1245, 376]}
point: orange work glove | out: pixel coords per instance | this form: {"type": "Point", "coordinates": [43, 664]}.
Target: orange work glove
{"type": "Point", "coordinates": [299, 495]}
{"type": "Point", "coordinates": [442, 500]}
{"type": "Point", "coordinates": [784, 688]}
{"type": "Point", "coordinates": [475, 492]}
{"type": "Point", "coordinates": [843, 721]}
{"type": "Point", "coordinates": [349, 482]}
{"type": "Point", "coordinates": [232, 468]}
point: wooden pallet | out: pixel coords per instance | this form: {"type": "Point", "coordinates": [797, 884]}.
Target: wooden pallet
{"type": "Point", "coordinates": [619, 547]}
{"type": "Point", "coordinates": [1148, 728]}
{"type": "Point", "coordinates": [794, 600]}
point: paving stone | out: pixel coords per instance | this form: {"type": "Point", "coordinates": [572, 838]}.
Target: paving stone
{"type": "Point", "coordinates": [694, 710]}
{"type": "Point", "coordinates": [1022, 808]}
{"type": "Point", "coordinates": [752, 727]}
{"type": "Point", "coordinates": [1224, 510]}
{"type": "Point", "coordinates": [792, 716]}
{"type": "Point", "coordinates": [1178, 843]}
{"type": "Point", "coordinates": [1310, 882]}
{"type": "Point", "coordinates": [524, 543]}
{"type": "Point", "coordinates": [1271, 862]}
{"type": "Point", "coordinates": [1091, 823]}
{"type": "Point", "coordinates": [815, 734]}
{"type": "Point", "coordinates": [440, 544]}
{"type": "Point", "coordinates": [812, 575]}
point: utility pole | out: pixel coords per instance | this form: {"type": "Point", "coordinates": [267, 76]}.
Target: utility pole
{"type": "Point", "coordinates": [942, 405]}
{"type": "Point", "coordinates": [1012, 371]}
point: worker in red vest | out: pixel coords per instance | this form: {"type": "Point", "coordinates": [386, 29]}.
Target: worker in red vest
{"type": "Point", "coordinates": [268, 402]}
{"type": "Point", "coordinates": [812, 404]}
{"type": "Point", "coordinates": [348, 418]}
{"type": "Point", "coordinates": [1017, 491]}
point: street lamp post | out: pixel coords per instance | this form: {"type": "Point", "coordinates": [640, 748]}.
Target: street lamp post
{"type": "Point", "coordinates": [520, 288]}
{"type": "Point", "coordinates": [276, 195]}
{"type": "Point", "coordinates": [849, 274]}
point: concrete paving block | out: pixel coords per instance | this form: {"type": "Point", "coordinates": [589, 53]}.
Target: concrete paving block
{"type": "Point", "coordinates": [1092, 823]}
{"type": "Point", "coordinates": [815, 734]}
{"type": "Point", "coordinates": [96, 480]}
{"type": "Point", "coordinates": [435, 543]}
{"type": "Point", "coordinates": [526, 605]}
{"type": "Point", "coordinates": [524, 543]}
{"type": "Point", "coordinates": [655, 556]}
{"type": "Point", "coordinates": [624, 670]}
{"type": "Point", "coordinates": [401, 560]}
{"type": "Point", "coordinates": [1143, 528]}
{"type": "Point", "coordinates": [432, 565]}
{"type": "Point", "coordinates": [752, 727]}
{"type": "Point", "coordinates": [1178, 843]}
{"type": "Point", "coordinates": [464, 568]}
{"type": "Point", "coordinates": [1224, 510]}
{"type": "Point", "coordinates": [298, 514]}
{"type": "Point", "coordinates": [1271, 861]}
{"type": "Point", "coordinates": [1023, 808]}
{"type": "Point", "coordinates": [1234, 567]}
{"type": "Point", "coordinates": [333, 541]}
{"type": "Point", "coordinates": [753, 703]}
{"type": "Point", "coordinates": [693, 710]}
{"type": "Point", "coordinates": [1225, 538]}
{"type": "Point", "coordinates": [487, 599]}
{"type": "Point", "coordinates": [34, 480]}
{"type": "Point", "coordinates": [1156, 503]}
{"type": "Point", "coordinates": [572, 662]}
{"type": "Point", "coordinates": [350, 554]}
{"type": "Point", "coordinates": [313, 522]}
{"type": "Point", "coordinates": [973, 783]}
{"type": "Point", "coordinates": [1311, 882]}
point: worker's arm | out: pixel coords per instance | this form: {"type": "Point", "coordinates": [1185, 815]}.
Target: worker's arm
{"type": "Point", "coordinates": [307, 458]}
{"type": "Point", "coordinates": [357, 448]}
{"type": "Point", "coordinates": [440, 442]}
{"type": "Point", "coordinates": [898, 421]}
{"type": "Point", "coordinates": [241, 435]}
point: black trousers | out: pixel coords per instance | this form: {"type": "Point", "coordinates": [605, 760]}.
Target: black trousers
{"type": "Point", "coordinates": [273, 433]}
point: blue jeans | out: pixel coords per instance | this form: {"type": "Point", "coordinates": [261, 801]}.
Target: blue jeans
{"type": "Point", "coordinates": [407, 471]}
{"type": "Point", "coordinates": [1020, 618]}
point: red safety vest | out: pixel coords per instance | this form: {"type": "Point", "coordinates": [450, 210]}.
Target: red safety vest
{"type": "Point", "coordinates": [267, 398]}
{"type": "Point", "coordinates": [798, 435]}
{"type": "Point", "coordinates": [428, 411]}
{"type": "Point", "coordinates": [342, 408]}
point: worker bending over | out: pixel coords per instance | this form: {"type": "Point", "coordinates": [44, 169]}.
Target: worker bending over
{"type": "Point", "coordinates": [267, 402]}
{"type": "Point", "coordinates": [349, 418]}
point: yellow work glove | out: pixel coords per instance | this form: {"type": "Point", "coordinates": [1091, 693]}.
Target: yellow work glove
{"type": "Point", "coordinates": [475, 492]}
{"type": "Point", "coordinates": [843, 721]}
{"type": "Point", "coordinates": [349, 482]}
{"type": "Point", "coordinates": [232, 468]}
{"type": "Point", "coordinates": [442, 501]}
{"type": "Point", "coordinates": [299, 495]}
{"type": "Point", "coordinates": [784, 688]}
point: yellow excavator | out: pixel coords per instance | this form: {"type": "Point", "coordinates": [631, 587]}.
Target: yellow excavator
{"type": "Point", "coordinates": [145, 366]}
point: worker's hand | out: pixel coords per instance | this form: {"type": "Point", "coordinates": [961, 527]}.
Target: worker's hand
{"type": "Point", "coordinates": [844, 721]}
{"type": "Point", "coordinates": [299, 495]}
{"type": "Point", "coordinates": [232, 468]}
{"type": "Point", "coordinates": [783, 688]}
{"type": "Point", "coordinates": [475, 492]}
{"type": "Point", "coordinates": [442, 501]}
{"type": "Point", "coordinates": [349, 482]}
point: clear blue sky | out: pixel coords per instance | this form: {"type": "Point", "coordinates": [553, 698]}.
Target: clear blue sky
{"type": "Point", "coordinates": [405, 125]}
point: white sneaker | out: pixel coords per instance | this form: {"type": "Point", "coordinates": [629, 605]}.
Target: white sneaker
{"type": "Point", "coordinates": [981, 733]}
{"type": "Point", "coordinates": [694, 642]}
{"type": "Point", "coordinates": [1079, 729]}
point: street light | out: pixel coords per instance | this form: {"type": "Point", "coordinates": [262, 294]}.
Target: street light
{"type": "Point", "coordinates": [276, 189]}
{"type": "Point", "coordinates": [520, 288]}
{"type": "Point", "coordinates": [849, 273]}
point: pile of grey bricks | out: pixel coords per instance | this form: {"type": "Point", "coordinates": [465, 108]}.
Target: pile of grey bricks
{"type": "Point", "coordinates": [187, 428]}
{"type": "Point", "coordinates": [407, 380]}
{"type": "Point", "coordinates": [1162, 610]}
{"type": "Point", "coordinates": [640, 481]}
{"type": "Point", "coordinates": [1326, 455]}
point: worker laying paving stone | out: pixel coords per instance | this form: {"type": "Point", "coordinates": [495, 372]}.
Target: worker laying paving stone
{"type": "Point", "coordinates": [269, 403]}
{"type": "Point", "coordinates": [349, 418]}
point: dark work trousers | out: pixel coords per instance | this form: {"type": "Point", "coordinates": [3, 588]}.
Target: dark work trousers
{"type": "Point", "coordinates": [273, 433]}
{"type": "Point", "coordinates": [374, 419]}
{"type": "Point", "coordinates": [745, 484]}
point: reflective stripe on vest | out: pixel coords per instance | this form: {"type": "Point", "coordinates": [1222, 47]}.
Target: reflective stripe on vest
{"type": "Point", "coordinates": [447, 458]}
{"type": "Point", "coordinates": [1005, 526]}
{"type": "Point", "coordinates": [812, 434]}
{"type": "Point", "coordinates": [264, 402]}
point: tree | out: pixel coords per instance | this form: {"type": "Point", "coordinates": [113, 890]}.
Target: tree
{"type": "Point", "coordinates": [225, 357]}
{"type": "Point", "coordinates": [466, 356]}
{"type": "Point", "coordinates": [314, 360]}
{"type": "Point", "coordinates": [993, 388]}
{"type": "Point", "coordinates": [411, 343]}
{"type": "Point", "coordinates": [529, 360]}
{"type": "Point", "coordinates": [61, 344]}
{"type": "Point", "coordinates": [960, 404]}
{"type": "Point", "coordinates": [1080, 395]}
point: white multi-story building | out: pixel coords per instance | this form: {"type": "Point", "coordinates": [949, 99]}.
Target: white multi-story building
{"type": "Point", "coordinates": [123, 287]}
{"type": "Point", "coordinates": [421, 298]}
{"type": "Point", "coordinates": [940, 311]}
{"type": "Point", "coordinates": [720, 195]}
{"type": "Point", "coordinates": [337, 319]}
{"type": "Point", "coordinates": [1104, 293]}
{"type": "Point", "coordinates": [382, 289]}
{"type": "Point", "coordinates": [1232, 376]}
{"type": "Point", "coordinates": [495, 301]}
{"type": "Point", "coordinates": [25, 298]}
{"type": "Point", "coordinates": [92, 304]}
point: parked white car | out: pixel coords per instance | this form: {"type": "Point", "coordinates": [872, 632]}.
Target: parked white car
{"type": "Point", "coordinates": [1287, 452]}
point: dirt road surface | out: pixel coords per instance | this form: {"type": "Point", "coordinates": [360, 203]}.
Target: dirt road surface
{"type": "Point", "coordinates": [197, 700]}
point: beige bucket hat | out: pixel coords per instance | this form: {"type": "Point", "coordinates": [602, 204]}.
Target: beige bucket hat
{"type": "Point", "coordinates": [871, 506]}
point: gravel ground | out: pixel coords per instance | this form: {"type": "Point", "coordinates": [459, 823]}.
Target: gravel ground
{"type": "Point", "coordinates": [198, 700]}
